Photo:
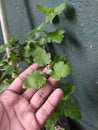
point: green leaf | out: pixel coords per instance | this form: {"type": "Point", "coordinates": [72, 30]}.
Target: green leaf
{"type": "Point", "coordinates": [13, 41]}
{"type": "Point", "coordinates": [28, 47]}
{"type": "Point", "coordinates": [41, 57]}
{"type": "Point", "coordinates": [14, 57]}
{"type": "Point", "coordinates": [60, 108]}
{"type": "Point", "coordinates": [52, 120]}
{"type": "Point", "coordinates": [56, 36]}
{"type": "Point", "coordinates": [9, 70]}
{"type": "Point", "coordinates": [22, 51]}
{"type": "Point", "coordinates": [3, 47]}
{"type": "Point", "coordinates": [43, 40]}
{"type": "Point", "coordinates": [36, 31]}
{"type": "Point", "coordinates": [34, 79]}
{"type": "Point", "coordinates": [26, 50]}
{"type": "Point", "coordinates": [5, 84]}
{"type": "Point", "coordinates": [60, 8]}
{"type": "Point", "coordinates": [45, 9]}
{"type": "Point", "coordinates": [56, 60]}
{"type": "Point", "coordinates": [67, 88]}
{"type": "Point", "coordinates": [56, 12]}
{"type": "Point", "coordinates": [72, 111]}
{"type": "Point", "coordinates": [4, 63]}
{"type": "Point", "coordinates": [61, 70]}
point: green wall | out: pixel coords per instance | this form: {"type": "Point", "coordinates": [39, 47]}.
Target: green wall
{"type": "Point", "coordinates": [80, 46]}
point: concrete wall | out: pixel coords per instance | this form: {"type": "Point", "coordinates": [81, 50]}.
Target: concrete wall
{"type": "Point", "coordinates": [80, 46]}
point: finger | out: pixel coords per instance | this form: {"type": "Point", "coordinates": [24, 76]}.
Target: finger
{"type": "Point", "coordinates": [45, 111]}
{"type": "Point", "coordinates": [29, 93]}
{"type": "Point", "coordinates": [44, 72]}
{"type": "Point", "coordinates": [42, 94]}
{"type": "Point", "coordinates": [18, 82]}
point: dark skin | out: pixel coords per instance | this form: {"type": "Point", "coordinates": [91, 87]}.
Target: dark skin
{"type": "Point", "coordinates": [31, 109]}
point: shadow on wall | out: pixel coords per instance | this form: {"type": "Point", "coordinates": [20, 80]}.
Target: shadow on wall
{"type": "Point", "coordinates": [70, 15]}
{"type": "Point", "coordinates": [26, 3]}
{"type": "Point", "coordinates": [71, 37]}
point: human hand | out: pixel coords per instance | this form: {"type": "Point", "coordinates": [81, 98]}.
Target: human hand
{"type": "Point", "coordinates": [31, 109]}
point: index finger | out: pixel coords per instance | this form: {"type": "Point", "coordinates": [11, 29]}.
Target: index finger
{"type": "Point", "coordinates": [18, 82]}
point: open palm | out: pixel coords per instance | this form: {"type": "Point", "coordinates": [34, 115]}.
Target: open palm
{"type": "Point", "coordinates": [31, 109]}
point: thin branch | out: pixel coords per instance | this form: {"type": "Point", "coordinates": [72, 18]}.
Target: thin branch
{"type": "Point", "coordinates": [4, 25]}
{"type": "Point", "coordinates": [5, 30]}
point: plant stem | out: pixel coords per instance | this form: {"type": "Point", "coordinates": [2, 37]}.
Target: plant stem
{"type": "Point", "coordinates": [5, 30]}
{"type": "Point", "coordinates": [4, 24]}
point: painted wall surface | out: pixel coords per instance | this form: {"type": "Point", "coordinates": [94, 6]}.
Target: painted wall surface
{"type": "Point", "coordinates": [80, 46]}
{"type": "Point", "coordinates": [1, 40]}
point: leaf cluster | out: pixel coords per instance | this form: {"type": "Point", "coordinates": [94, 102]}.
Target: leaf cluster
{"type": "Point", "coordinates": [34, 50]}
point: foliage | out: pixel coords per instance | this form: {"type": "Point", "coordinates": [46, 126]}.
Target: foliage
{"type": "Point", "coordinates": [34, 79]}
{"type": "Point", "coordinates": [41, 56]}
{"type": "Point", "coordinates": [34, 50]}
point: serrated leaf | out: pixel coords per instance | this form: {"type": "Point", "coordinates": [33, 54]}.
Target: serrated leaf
{"type": "Point", "coordinates": [34, 79]}
{"type": "Point", "coordinates": [61, 70]}
{"type": "Point", "coordinates": [67, 88]}
{"type": "Point", "coordinates": [45, 9]}
{"type": "Point", "coordinates": [41, 57]}
{"type": "Point", "coordinates": [56, 12]}
{"type": "Point", "coordinates": [72, 111]}
{"type": "Point", "coordinates": [58, 59]}
{"type": "Point", "coordinates": [56, 36]}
